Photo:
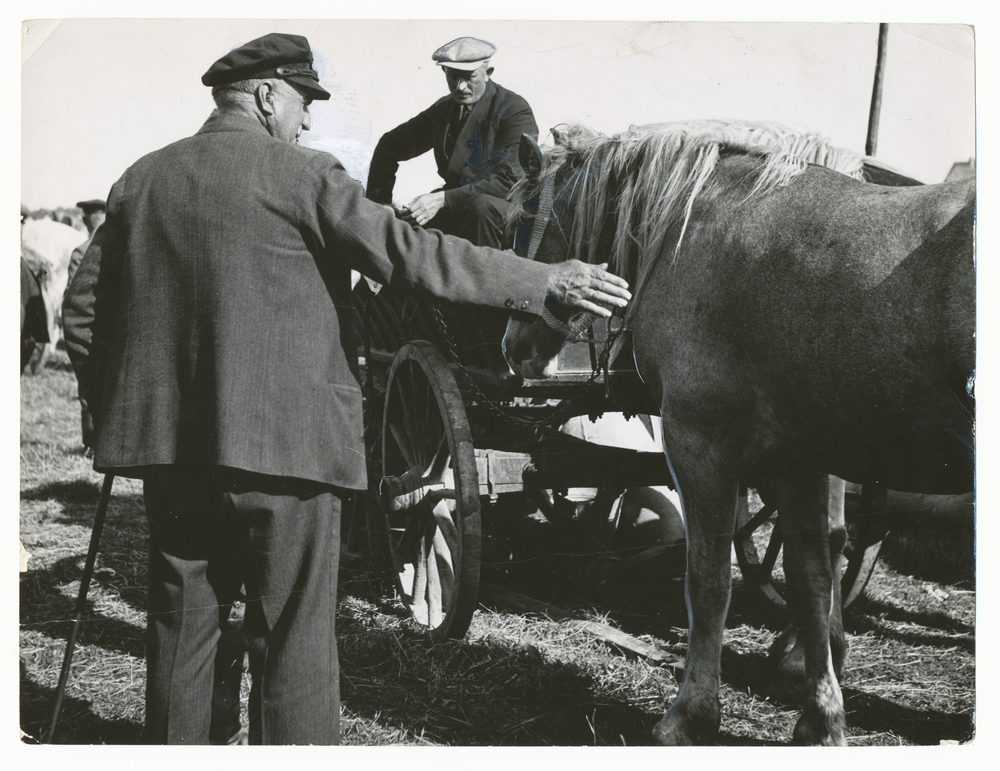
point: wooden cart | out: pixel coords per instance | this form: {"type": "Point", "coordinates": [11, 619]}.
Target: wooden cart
{"type": "Point", "coordinates": [448, 428]}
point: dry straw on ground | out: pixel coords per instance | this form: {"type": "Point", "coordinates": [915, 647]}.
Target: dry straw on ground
{"type": "Point", "coordinates": [516, 679]}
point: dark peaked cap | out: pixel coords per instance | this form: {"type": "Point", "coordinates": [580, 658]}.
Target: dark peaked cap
{"type": "Point", "coordinates": [94, 204]}
{"type": "Point", "coordinates": [275, 55]}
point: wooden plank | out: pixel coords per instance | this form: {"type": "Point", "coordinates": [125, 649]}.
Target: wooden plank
{"type": "Point", "coordinates": [521, 603]}
{"type": "Point", "coordinates": [569, 465]}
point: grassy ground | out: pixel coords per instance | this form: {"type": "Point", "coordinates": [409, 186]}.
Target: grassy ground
{"type": "Point", "coordinates": [516, 679]}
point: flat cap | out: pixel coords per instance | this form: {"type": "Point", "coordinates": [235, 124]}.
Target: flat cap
{"type": "Point", "coordinates": [464, 53]}
{"type": "Point", "coordinates": [275, 55]}
{"type": "Point", "coordinates": [92, 205]}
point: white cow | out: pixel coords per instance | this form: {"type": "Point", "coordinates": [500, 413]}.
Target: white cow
{"type": "Point", "coordinates": [53, 242]}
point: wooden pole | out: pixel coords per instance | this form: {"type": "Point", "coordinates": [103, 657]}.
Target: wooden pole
{"type": "Point", "coordinates": [870, 144]}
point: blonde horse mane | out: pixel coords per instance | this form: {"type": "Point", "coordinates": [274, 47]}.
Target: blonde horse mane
{"type": "Point", "coordinates": [648, 178]}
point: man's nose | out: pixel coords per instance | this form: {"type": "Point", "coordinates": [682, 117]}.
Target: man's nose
{"type": "Point", "coordinates": [306, 121]}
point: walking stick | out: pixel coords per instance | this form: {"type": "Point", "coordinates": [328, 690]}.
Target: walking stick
{"type": "Point", "coordinates": [81, 601]}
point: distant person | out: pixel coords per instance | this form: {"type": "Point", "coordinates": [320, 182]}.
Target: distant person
{"type": "Point", "coordinates": [94, 212]}
{"type": "Point", "coordinates": [475, 133]}
{"type": "Point", "coordinates": [213, 333]}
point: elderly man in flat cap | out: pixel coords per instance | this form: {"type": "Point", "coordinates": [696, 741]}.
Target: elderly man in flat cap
{"type": "Point", "coordinates": [212, 329]}
{"type": "Point", "coordinates": [475, 133]}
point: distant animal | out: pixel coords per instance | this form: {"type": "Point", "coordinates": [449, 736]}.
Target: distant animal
{"type": "Point", "coordinates": [794, 323]}
{"type": "Point", "coordinates": [51, 244]}
{"type": "Point", "coordinates": [34, 321]}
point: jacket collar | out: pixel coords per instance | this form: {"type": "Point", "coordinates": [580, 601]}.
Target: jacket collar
{"type": "Point", "coordinates": [461, 152]}
{"type": "Point", "coordinates": [219, 121]}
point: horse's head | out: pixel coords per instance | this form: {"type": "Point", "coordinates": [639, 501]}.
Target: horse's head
{"type": "Point", "coordinates": [531, 344]}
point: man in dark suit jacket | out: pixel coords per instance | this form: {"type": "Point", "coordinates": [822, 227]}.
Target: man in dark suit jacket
{"type": "Point", "coordinates": [212, 331]}
{"type": "Point", "coordinates": [475, 133]}
{"type": "Point", "coordinates": [93, 216]}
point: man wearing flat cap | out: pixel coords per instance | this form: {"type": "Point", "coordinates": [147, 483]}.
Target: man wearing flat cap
{"type": "Point", "coordinates": [475, 133]}
{"type": "Point", "coordinates": [93, 215]}
{"type": "Point", "coordinates": [212, 328]}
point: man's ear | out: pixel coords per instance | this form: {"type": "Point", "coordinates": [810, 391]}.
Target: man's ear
{"type": "Point", "coordinates": [265, 98]}
{"type": "Point", "coordinates": [489, 71]}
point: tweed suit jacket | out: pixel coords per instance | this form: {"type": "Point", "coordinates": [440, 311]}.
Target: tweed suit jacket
{"type": "Point", "coordinates": [76, 258]}
{"type": "Point", "coordinates": [484, 158]}
{"type": "Point", "coordinates": [211, 319]}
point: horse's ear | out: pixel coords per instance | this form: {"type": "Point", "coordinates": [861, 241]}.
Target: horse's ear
{"type": "Point", "coordinates": [530, 156]}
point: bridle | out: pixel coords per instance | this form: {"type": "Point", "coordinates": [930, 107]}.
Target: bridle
{"type": "Point", "coordinates": [575, 328]}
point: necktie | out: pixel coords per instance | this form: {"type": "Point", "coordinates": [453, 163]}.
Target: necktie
{"type": "Point", "coordinates": [455, 128]}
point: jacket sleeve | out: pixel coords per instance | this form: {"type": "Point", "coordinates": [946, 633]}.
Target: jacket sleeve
{"type": "Point", "coordinates": [406, 141]}
{"type": "Point", "coordinates": [497, 174]}
{"type": "Point", "coordinates": [428, 262]}
{"type": "Point", "coordinates": [90, 310]}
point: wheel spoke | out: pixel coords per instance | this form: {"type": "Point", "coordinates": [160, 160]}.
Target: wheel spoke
{"type": "Point", "coordinates": [439, 462]}
{"type": "Point", "coordinates": [429, 429]}
{"type": "Point", "coordinates": [403, 445]}
{"type": "Point", "coordinates": [436, 599]}
{"type": "Point", "coordinates": [415, 530]}
{"type": "Point", "coordinates": [445, 533]}
{"type": "Point", "coordinates": [442, 565]}
{"type": "Point", "coordinates": [414, 403]}
{"type": "Point", "coordinates": [405, 422]}
{"type": "Point", "coordinates": [418, 599]}
{"type": "Point", "coordinates": [773, 548]}
{"type": "Point", "coordinates": [756, 520]}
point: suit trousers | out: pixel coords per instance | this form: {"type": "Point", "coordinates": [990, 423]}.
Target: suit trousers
{"type": "Point", "coordinates": [481, 220]}
{"type": "Point", "coordinates": [214, 531]}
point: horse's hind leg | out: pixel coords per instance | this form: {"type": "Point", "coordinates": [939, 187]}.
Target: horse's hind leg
{"type": "Point", "coordinates": [805, 500]}
{"type": "Point", "coordinates": [709, 505]}
{"type": "Point", "coordinates": [787, 653]}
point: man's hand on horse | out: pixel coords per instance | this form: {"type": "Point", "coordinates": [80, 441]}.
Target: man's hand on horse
{"type": "Point", "coordinates": [422, 209]}
{"type": "Point", "coordinates": [577, 286]}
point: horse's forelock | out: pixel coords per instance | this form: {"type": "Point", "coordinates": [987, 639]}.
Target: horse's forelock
{"type": "Point", "coordinates": [574, 145]}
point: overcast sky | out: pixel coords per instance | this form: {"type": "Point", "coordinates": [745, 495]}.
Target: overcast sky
{"type": "Point", "coordinates": [97, 94]}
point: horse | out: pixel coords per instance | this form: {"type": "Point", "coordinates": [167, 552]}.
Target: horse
{"type": "Point", "coordinates": [798, 327]}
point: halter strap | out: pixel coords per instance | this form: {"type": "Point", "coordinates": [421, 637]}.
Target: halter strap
{"type": "Point", "coordinates": [541, 207]}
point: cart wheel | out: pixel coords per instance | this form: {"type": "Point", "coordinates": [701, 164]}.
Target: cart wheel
{"type": "Point", "coordinates": [434, 545]}
{"type": "Point", "coordinates": [758, 545]}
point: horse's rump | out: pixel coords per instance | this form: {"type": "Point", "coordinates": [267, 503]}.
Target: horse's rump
{"type": "Point", "coordinates": [840, 316]}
